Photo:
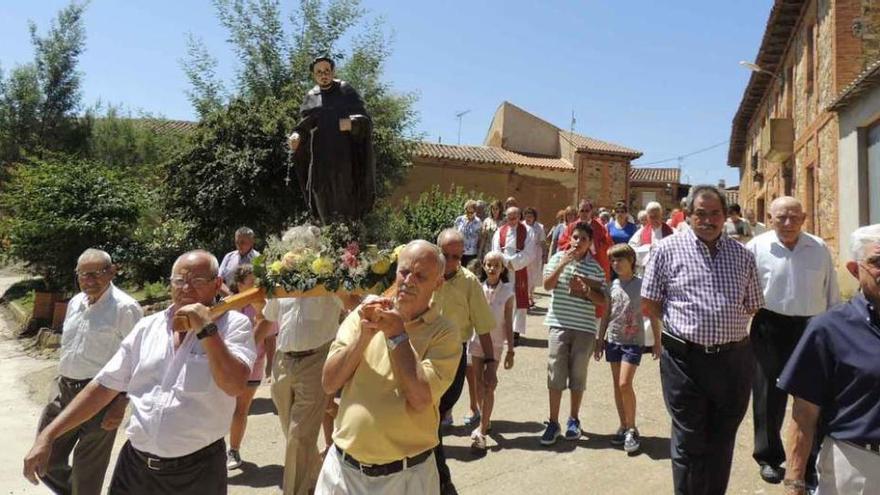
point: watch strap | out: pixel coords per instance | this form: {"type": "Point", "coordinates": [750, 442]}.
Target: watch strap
{"type": "Point", "coordinates": [398, 339]}
{"type": "Point", "coordinates": [207, 331]}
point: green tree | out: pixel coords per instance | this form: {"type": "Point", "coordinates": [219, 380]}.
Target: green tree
{"type": "Point", "coordinates": [235, 173]}
{"type": "Point", "coordinates": [39, 102]}
{"type": "Point", "coordinates": [57, 207]}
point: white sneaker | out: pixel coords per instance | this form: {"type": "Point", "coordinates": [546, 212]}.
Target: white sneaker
{"type": "Point", "coordinates": [478, 440]}
{"type": "Point", "coordinates": [233, 460]}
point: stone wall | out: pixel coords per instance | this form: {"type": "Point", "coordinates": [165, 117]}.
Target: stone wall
{"type": "Point", "coordinates": [546, 191]}
{"type": "Point", "coordinates": [603, 179]}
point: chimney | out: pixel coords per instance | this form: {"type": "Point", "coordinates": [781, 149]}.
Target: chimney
{"type": "Point", "coordinates": [721, 184]}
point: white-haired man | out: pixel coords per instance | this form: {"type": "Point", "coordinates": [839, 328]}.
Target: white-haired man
{"type": "Point", "coordinates": [244, 253]}
{"type": "Point", "coordinates": [182, 387]}
{"type": "Point", "coordinates": [798, 279]}
{"type": "Point", "coordinates": [392, 359]}
{"type": "Point", "coordinates": [833, 373]}
{"type": "Point", "coordinates": [649, 235]}
{"type": "Point", "coordinates": [97, 320]}
{"type": "Point", "coordinates": [517, 242]}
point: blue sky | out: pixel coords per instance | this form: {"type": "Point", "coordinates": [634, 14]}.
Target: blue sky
{"type": "Point", "coordinates": [660, 77]}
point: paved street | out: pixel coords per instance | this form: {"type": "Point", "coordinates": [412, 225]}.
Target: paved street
{"type": "Point", "coordinates": [515, 464]}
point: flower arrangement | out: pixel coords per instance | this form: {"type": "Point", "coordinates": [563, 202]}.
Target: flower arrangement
{"type": "Point", "coordinates": [306, 257]}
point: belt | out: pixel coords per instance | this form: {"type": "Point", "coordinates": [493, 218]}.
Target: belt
{"type": "Point", "coordinates": [300, 354]}
{"type": "Point", "coordinates": [72, 383]}
{"type": "Point", "coordinates": [156, 463]}
{"type": "Point", "coordinates": [683, 347]}
{"type": "Point", "coordinates": [384, 469]}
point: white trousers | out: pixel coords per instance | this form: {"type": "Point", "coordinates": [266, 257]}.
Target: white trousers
{"type": "Point", "coordinates": [519, 321]}
{"type": "Point", "coordinates": [845, 469]}
{"type": "Point", "coordinates": [339, 478]}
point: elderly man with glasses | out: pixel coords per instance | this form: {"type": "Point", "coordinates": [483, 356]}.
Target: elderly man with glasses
{"type": "Point", "coordinates": [97, 320]}
{"type": "Point", "coordinates": [833, 375]}
{"type": "Point", "coordinates": [182, 385]}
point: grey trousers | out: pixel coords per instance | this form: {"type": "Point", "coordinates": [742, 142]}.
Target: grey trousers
{"type": "Point", "coordinates": [89, 443]}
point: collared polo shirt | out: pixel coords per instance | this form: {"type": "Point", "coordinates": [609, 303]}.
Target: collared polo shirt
{"type": "Point", "coordinates": [836, 366]}
{"type": "Point", "coordinates": [374, 423]}
{"type": "Point", "coordinates": [796, 282]}
{"type": "Point", "coordinates": [568, 311]}
{"type": "Point", "coordinates": [231, 261]}
{"type": "Point", "coordinates": [92, 332]}
{"type": "Point", "coordinates": [461, 300]}
{"type": "Point", "coordinates": [707, 300]}
{"type": "Point", "coordinates": [304, 323]}
{"type": "Point", "coordinates": [176, 407]}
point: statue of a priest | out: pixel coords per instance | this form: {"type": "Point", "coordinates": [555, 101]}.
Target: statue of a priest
{"type": "Point", "coordinates": [333, 148]}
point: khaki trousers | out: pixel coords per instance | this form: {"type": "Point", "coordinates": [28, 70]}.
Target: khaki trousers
{"type": "Point", "coordinates": [301, 403]}
{"type": "Point", "coordinates": [89, 443]}
{"type": "Point", "coordinates": [338, 478]}
{"type": "Point", "coordinates": [845, 469]}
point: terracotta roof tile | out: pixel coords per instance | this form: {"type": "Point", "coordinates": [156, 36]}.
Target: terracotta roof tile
{"type": "Point", "coordinates": [488, 154]}
{"type": "Point", "coordinates": [664, 175]}
{"type": "Point", "coordinates": [585, 143]}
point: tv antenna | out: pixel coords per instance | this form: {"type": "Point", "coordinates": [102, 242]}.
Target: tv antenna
{"type": "Point", "coordinates": [459, 115]}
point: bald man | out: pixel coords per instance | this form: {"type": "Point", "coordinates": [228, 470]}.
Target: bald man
{"type": "Point", "coordinates": [393, 359]}
{"type": "Point", "coordinates": [517, 243]}
{"type": "Point", "coordinates": [182, 387]}
{"type": "Point", "coordinates": [798, 279]}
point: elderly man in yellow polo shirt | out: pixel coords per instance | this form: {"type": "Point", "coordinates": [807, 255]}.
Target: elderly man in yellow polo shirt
{"type": "Point", "coordinates": [461, 300]}
{"type": "Point", "coordinates": [393, 360]}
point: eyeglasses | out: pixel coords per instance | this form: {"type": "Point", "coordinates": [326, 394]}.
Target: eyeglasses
{"type": "Point", "coordinates": [194, 282]}
{"type": "Point", "coordinates": [93, 274]}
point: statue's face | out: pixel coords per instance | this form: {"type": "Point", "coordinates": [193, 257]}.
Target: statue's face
{"type": "Point", "coordinates": [323, 74]}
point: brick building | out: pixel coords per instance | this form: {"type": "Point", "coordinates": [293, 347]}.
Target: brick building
{"type": "Point", "coordinates": [526, 157]}
{"type": "Point", "coordinates": [784, 138]}
{"type": "Point", "coordinates": [656, 184]}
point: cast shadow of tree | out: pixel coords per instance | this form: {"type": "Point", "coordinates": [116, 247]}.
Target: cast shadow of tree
{"type": "Point", "coordinates": [257, 476]}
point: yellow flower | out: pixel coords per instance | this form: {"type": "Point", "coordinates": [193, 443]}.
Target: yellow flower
{"type": "Point", "coordinates": [290, 260]}
{"type": "Point", "coordinates": [322, 266]}
{"type": "Point", "coordinates": [275, 267]}
{"type": "Point", "coordinates": [397, 251]}
{"type": "Point", "coordinates": [381, 267]}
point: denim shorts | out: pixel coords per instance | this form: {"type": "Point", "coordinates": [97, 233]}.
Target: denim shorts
{"type": "Point", "coordinates": [614, 353]}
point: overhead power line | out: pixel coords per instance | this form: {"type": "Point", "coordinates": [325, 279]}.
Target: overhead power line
{"type": "Point", "coordinates": [681, 157]}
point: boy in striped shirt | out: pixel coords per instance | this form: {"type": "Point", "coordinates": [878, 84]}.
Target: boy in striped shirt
{"type": "Point", "coordinates": [576, 282]}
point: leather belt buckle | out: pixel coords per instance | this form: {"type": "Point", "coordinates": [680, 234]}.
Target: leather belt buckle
{"type": "Point", "coordinates": [150, 461]}
{"type": "Point", "coordinates": [712, 349]}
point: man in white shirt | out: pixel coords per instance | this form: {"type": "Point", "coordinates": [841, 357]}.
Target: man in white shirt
{"type": "Point", "coordinates": [797, 276]}
{"type": "Point", "coordinates": [758, 228]}
{"type": "Point", "coordinates": [244, 253]}
{"type": "Point", "coordinates": [182, 387]}
{"type": "Point", "coordinates": [649, 235]}
{"type": "Point", "coordinates": [306, 327]}
{"type": "Point", "coordinates": [97, 320]}
{"type": "Point", "coordinates": [517, 242]}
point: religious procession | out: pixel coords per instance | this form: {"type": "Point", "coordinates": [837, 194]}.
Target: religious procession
{"type": "Point", "coordinates": [754, 309]}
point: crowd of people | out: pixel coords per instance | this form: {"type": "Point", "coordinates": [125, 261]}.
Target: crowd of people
{"type": "Point", "coordinates": [733, 310]}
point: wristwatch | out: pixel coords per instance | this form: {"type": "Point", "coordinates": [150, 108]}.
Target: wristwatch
{"type": "Point", "coordinates": [207, 331]}
{"type": "Point", "coordinates": [395, 341]}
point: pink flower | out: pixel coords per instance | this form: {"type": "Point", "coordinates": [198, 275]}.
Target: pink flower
{"type": "Point", "coordinates": [353, 248]}
{"type": "Point", "coordinates": [350, 260]}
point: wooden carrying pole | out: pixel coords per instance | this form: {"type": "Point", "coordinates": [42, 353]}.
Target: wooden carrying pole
{"type": "Point", "coordinates": [247, 297]}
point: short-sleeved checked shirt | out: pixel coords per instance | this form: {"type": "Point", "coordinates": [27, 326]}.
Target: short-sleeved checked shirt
{"type": "Point", "coordinates": [704, 299]}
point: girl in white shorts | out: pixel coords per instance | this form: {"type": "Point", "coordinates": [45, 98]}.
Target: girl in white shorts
{"type": "Point", "coordinates": [499, 293]}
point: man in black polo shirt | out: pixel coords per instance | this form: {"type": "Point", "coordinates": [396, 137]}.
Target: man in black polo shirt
{"type": "Point", "coordinates": [834, 373]}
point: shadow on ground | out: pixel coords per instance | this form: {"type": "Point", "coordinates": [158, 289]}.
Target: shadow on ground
{"type": "Point", "coordinates": [509, 435]}
{"type": "Point", "coordinates": [262, 405]}
{"type": "Point", "coordinates": [257, 476]}
{"type": "Point", "coordinates": [536, 343]}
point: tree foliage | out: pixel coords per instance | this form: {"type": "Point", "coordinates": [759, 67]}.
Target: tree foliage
{"type": "Point", "coordinates": [39, 102]}
{"type": "Point", "coordinates": [234, 174]}
{"type": "Point", "coordinates": [58, 207]}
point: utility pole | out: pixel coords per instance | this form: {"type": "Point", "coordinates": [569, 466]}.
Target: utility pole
{"type": "Point", "coordinates": [459, 115]}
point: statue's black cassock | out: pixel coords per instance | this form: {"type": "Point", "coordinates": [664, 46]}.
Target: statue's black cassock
{"type": "Point", "coordinates": [336, 170]}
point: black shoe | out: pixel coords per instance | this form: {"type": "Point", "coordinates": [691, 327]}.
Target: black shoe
{"type": "Point", "coordinates": [448, 488]}
{"type": "Point", "coordinates": [516, 340]}
{"type": "Point", "coordinates": [772, 474]}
